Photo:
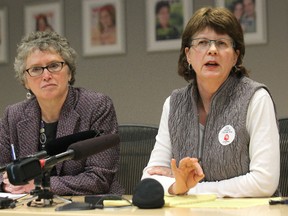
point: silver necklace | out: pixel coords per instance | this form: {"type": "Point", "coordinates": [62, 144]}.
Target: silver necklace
{"type": "Point", "coordinates": [42, 137]}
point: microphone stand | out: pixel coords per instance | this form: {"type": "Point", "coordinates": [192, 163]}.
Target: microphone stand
{"type": "Point", "coordinates": [42, 196]}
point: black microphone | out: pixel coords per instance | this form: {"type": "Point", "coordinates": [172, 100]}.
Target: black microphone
{"type": "Point", "coordinates": [86, 148]}
{"type": "Point", "coordinates": [61, 144]}
{"type": "Point", "coordinates": [83, 149]}
{"type": "Point", "coordinates": [148, 194]}
{"type": "Point", "coordinates": [25, 169]}
{"type": "Point", "coordinates": [22, 171]}
{"type": "Point", "coordinates": [38, 155]}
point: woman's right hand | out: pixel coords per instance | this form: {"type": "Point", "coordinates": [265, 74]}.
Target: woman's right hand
{"type": "Point", "coordinates": [160, 170]}
{"type": "Point", "coordinates": [14, 189]}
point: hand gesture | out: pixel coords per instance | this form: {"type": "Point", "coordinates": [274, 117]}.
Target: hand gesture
{"type": "Point", "coordinates": [187, 175]}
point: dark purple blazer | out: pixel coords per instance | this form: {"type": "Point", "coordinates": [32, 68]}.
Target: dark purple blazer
{"type": "Point", "coordinates": [83, 110]}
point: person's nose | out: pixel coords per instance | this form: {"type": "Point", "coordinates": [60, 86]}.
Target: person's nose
{"type": "Point", "coordinates": [212, 48]}
{"type": "Point", "coordinates": [46, 74]}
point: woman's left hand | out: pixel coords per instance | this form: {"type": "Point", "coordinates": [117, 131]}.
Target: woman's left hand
{"type": "Point", "coordinates": [187, 175]}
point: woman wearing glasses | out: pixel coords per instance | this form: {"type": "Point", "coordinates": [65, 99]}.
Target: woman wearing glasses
{"type": "Point", "coordinates": [218, 134]}
{"type": "Point", "coordinates": [46, 64]}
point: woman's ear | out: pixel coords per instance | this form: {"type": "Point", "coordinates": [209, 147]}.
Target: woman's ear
{"type": "Point", "coordinates": [26, 84]}
{"type": "Point", "coordinates": [69, 77]}
{"type": "Point", "coordinates": [187, 54]}
{"type": "Point", "coordinates": [237, 53]}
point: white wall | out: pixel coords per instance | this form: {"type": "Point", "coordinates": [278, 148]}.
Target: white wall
{"type": "Point", "coordinates": [138, 82]}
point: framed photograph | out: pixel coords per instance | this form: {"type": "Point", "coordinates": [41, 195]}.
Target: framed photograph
{"type": "Point", "coordinates": [103, 27]}
{"type": "Point", "coordinates": [252, 17]}
{"type": "Point", "coordinates": [165, 22]}
{"type": "Point", "coordinates": [3, 36]}
{"type": "Point", "coordinates": [44, 17]}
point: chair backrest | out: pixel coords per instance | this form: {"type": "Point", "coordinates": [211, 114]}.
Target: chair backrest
{"type": "Point", "coordinates": [136, 144]}
{"type": "Point", "coordinates": [283, 130]}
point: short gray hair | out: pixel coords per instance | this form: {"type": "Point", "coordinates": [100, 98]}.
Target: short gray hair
{"type": "Point", "coordinates": [44, 41]}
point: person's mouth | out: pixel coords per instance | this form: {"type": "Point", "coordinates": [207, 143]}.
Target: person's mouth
{"type": "Point", "coordinates": [48, 85]}
{"type": "Point", "coordinates": [211, 64]}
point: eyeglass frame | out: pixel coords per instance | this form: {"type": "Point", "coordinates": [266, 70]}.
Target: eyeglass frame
{"type": "Point", "coordinates": [46, 67]}
{"type": "Point", "coordinates": [215, 42]}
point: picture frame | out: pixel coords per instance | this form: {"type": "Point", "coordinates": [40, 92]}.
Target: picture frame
{"type": "Point", "coordinates": [254, 28]}
{"type": "Point", "coordinates": [44, 17]}
{"type": "Point", "coordinates": [3, 36]}
{"type": "Point", "coordinates": [163, 39]}
{"type": "Point", "coordinates": [103, 27]}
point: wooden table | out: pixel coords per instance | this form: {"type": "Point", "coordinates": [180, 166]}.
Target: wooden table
{"type": "Point", "coordinates": [263, 210]}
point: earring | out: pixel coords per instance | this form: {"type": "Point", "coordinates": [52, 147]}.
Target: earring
{"type": "Point", "coordinates": [235, 68]}
{"type": "Point", "coordinates": [28, 95]}
{"type": "Point", "coordinates": [190, 67]}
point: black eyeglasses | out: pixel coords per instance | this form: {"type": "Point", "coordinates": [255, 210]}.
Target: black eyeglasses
{"type": "Point", "coordinates": [54, 67]}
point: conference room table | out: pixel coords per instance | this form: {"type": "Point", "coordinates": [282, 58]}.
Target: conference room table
{"type": "Point", "coordinates": [263, 210]}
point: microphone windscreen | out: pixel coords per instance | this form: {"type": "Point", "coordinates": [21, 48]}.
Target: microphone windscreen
{"type": "Point", "coordinates": [148, 194]}
{"type": "Point", "coordinates": [88, 147]}
{"type": "Point", "coordinates": [61, 144]}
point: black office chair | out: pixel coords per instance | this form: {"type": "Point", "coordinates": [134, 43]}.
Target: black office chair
{"type": "Point", "coordinates": [283, 130]}
{"type": "Point", "coordinates": [136, 144]}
